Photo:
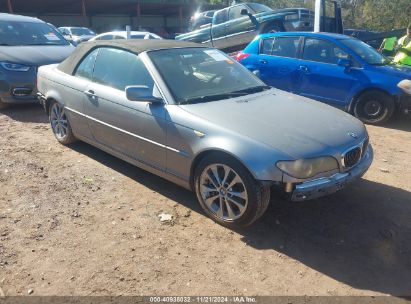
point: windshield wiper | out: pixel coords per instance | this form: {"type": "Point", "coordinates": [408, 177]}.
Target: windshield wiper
{"type": "Point", "coordinates": [227, 95]}
{"type": "Point", "coordinates": [4, 44]}
{"type": "Point", "coordinates": [251, 90]}
{"type": "Point", "coordinates": [207, 98]}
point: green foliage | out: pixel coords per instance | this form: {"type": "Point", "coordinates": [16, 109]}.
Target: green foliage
{"type": "Point", "coordinates": [377, 15]}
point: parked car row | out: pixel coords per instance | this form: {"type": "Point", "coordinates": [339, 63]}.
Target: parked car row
{"type": "Point", "coordinates": [27, 43]}
{"type": "Point", "coordinates": [77, 34]}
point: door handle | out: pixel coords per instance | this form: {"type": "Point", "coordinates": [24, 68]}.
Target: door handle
{"type": "Point", "coordinates": [263, 61]}
{"type": "Point", "coordinates": [303, 68]}
{"type": "Point", "coordinates": [90, 94]}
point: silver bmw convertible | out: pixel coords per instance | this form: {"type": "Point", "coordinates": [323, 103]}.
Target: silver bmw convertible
{"type": "Point", "coordinates": [194, 116]}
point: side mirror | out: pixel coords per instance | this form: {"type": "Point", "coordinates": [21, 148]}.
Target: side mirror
{"type": "Point", "coordinates": [346, 63]}
{"type": "Point", "coordinates": [244, 12]}
{"type": "Point", "coordinates": [141, 93]}
{"type": "Point", "coordinates": [405, 85]}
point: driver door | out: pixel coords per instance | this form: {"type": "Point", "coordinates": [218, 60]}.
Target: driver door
{"type": "Point", "coordinates": [133, 128]}
{"type": "Point", "coordinates": [239, 30]}
{"type": "Point", "coordinates": [321, 77]}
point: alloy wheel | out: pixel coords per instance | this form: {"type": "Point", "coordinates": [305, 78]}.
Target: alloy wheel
{"type": "Point", "coordinates": [58, 120]}
{"type": "Point", "coordinates": [223, 192]}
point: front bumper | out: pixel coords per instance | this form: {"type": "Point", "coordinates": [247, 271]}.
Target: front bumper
{"type": "Point", "coordinates": [328, 185]}
{"type": "Point", "coordinates": [41, 99]}
{"type": "Point", "coordinates": [18, 87]}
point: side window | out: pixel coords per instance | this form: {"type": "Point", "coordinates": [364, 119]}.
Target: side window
{"type": "Point", "coordinates": [285, 47]}
{"type": "Point", "coordinates": [85, 68]}
{"type": "Point", "coordinates": [127, 70]}
{"type": "Point", "coordinates": [221, 16]}
{"type": "Point", "coordinates": [118, 37]}
{"type": "Point", "coordinates": [323, 51]}
{"type": "Point", "coordinates": [267, 46]}
{"type": "Point", "coordinates": [235, 12]}
{"type": "Point", "coordinates": [105, 37]}
{"type": "Point", "coordinates": [210, 14]}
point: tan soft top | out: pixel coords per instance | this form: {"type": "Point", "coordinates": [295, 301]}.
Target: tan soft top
{"type": "Point", "coordinates": [136, 46]}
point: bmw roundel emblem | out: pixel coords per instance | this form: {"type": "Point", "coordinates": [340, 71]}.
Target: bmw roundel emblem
{"type": "Point", "coordinates": [353, 135]}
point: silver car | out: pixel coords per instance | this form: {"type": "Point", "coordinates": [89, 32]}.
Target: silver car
{"type": "Point", "coordinates": [194, 116]}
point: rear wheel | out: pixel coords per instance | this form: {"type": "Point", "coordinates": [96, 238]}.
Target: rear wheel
{"type": "Point", "coordinates": [374, 108]}
{"type": "Point", "coordinates": [228, 193]}
{"type": "Point", "coordinates": [60, 124]}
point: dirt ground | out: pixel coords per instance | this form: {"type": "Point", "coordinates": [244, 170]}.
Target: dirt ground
{"type": "Point", "coordinates": [77, 221]}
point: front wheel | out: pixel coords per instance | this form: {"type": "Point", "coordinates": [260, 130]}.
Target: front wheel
{"type": "Point", "coordinates": [374, 108]}
{"type": "Point", "coordinates": [60, 124]}
{"type": "Point", "coordinates": [228, 193]}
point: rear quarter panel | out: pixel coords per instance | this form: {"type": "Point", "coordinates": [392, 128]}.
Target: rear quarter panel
{"type": "Point", "coordinates": [68, 91]}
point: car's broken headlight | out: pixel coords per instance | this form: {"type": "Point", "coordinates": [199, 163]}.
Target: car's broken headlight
{"type": "Point", "coordinates": [306, 168]}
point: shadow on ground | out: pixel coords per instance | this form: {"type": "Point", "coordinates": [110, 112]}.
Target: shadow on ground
{"type": "Point", "coordinates": [399, 122]}
{"type": "Point", "coordinates": [360, 237]}
{"type": "Point", "coordinates": [26, 113]}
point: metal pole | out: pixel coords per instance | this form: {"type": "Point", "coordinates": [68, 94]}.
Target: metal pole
{"type": "Point", "coordinates": [317, 16]}
{"type": "Point", "coordinates": [84, 12]}
{"type": "Point", "coordinates": [10, 6]}
{"type": "Point", "coordinates": [181, 18]}
{"type": "Point", "coordinates": [324, 13]}
{"type": "Point", "coordinates": [138, 16]}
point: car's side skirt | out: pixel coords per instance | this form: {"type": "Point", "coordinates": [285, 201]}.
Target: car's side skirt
{"type": "Point", "coordinates": [166, 175]}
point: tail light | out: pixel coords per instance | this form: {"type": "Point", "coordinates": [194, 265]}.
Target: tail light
{"type": "Point", "coordinates": [240, 56]}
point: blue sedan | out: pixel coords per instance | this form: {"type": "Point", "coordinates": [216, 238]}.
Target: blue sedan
{"type": "Point", "coordinates": [339, 70]}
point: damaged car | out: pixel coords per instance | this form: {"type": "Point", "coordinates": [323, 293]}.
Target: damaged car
{"type": "Point", "coordinates": [194, 116]}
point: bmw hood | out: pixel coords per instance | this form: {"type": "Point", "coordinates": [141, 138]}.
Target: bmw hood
{"type": "Point", "coordinates": [294, 125]}
{"type": "Point", "coordinates": [35, 55]}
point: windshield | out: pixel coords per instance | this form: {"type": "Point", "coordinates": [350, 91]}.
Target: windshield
{"type": "Point", "coordinates": [81, 31]}
{"type": "Point", "coordinates": [259, 8]}
{"type": "Point", "coordinates": [200, 75]}
{"type": "Point", "coordinates": [366, 52]}
{"type": "Point", "coordinates": [29, 33]}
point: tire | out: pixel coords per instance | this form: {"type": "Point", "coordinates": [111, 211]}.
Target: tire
{"type": "Point", "coordinates": [60, 124]}
{"type": "Point", "coordinates": [374, 107]}
{"type": "Point", "coordinates": [239, 202]}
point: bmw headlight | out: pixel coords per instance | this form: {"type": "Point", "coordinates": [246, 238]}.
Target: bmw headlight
{"type": "Point", "coordinates": [15, 67]}
{"type": "Point", "coordinates": [306, 168]}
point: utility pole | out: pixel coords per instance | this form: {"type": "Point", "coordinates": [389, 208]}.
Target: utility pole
{"type": "Point", "coordinates": [317, 16]}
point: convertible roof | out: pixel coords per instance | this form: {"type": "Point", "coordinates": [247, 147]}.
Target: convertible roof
{"type": "Point", "coordinates": [136, 46]}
